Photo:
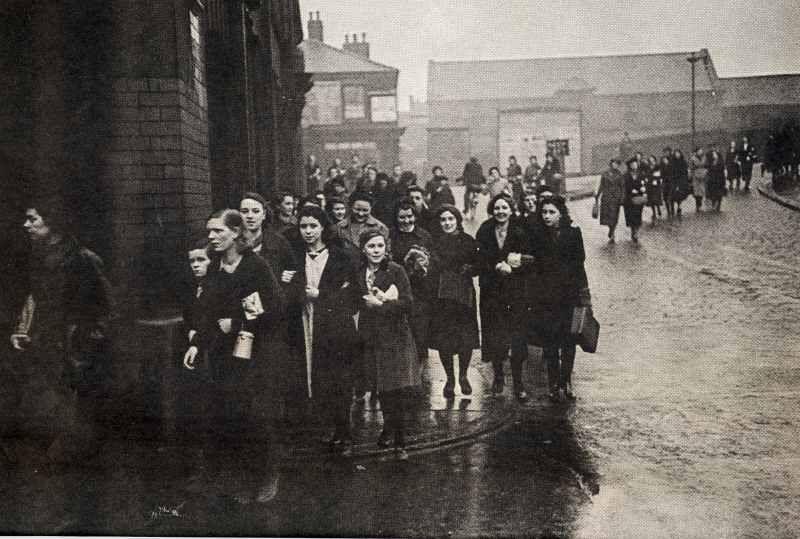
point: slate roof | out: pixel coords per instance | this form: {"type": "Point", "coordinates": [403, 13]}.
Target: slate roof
{"type": "Point", "coordinates": [761, 90]}
{"type": "Point", "coordinates": [543, 77]}
{"type": "Point", "coordinates": [322, 58]}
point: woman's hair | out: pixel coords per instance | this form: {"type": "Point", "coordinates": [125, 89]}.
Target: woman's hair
{"type": "Point", "coordinates": [199, 244]}
{"type": "Point", "coordinates": [434, 169]}
{"type": "Point", "coordinates": [493, 201]}
{"type": "Point", "coordinates": [403, 204]}
{"type": "Point", "coordinates": [268, 213]}
{"type": "Point", "coordinates": [495, 168]}
{"type": "Point", "coordinates": [367, 235]}
{"type": "Point", "coordinates": [317, 213]}
{"type": "Point", "coordinates": [561, 205]}
{"type": "Point", "coordinates": [452, 209]}
{"type": "Point", "coordinates": [51, 213]}
{"type": "Point", "coordinates": [363, 196]}
{"type": "Point", "coordinates": [232, 219]}
{"type": "Point", "coordinates": [309, 199]}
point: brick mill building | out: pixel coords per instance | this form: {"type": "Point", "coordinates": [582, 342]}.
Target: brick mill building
{"type": "Point", "coordinates": [496, 108]}
{"type": "Point", "coordinates": [352, 106]}
{"type": "Point", "coordinates": [140, 116]}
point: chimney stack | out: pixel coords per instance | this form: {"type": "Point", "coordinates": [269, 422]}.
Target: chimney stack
{"type": "Point", "coordinates": [355, 46]}
{"type": "Point", "coordinates": [315, 27]}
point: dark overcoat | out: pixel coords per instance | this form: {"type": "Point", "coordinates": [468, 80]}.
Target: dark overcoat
{"type": "Point", "coordinates": [503, 298]}
{"type": "Point", "coordinates": [335, 340]}
{"type": "Point", "coordinates": [560, 283]}
{"type": "Point", "coordinates": [612, 193]}
{"type": "Point", "coordinates": [454, 325]}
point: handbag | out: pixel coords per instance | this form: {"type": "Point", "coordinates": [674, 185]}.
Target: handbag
{"type": "Point", "coordinates": [585, 329]}
{"type": "Point", "coordinates": [595, 210]}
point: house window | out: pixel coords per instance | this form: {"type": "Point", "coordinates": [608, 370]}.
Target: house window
{"type": "Point", "coordinates": [198, 57]}
{"type": "Point", "coordinates": [354, 103]}
{"type": "Point", "coordinates": [383, 108]}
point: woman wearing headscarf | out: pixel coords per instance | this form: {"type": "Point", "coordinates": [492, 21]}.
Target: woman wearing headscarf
{"type": "Point", "coordinates": [503, 301]}
{"type": "Point", "coordinates": [560, 286]}
{"type": "Point", "coordinates": [454, 321]}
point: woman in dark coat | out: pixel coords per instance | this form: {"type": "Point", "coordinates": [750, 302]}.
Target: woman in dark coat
{"type": "Point", "coordinates": [732, 166]}
{"type": "Point", "coordinates": [411, 248]}
{"type": "Point", "coordinates": [610, 196]}
{"type": "Point", "coordinates": [243, 316]}
{"type": "Point", "coordinates": [454, 320]}
{"type": "Point", "coordinates": [654, 187]}
{"type": "Point", "coordinates": [667, 182]}
{"type": "Point", "coordinates": [635, 192]}
{"type": "Point", "coordinates": [326, 293]}
{"type": "Point", "coordinates": [285, 368]}
{"type": "Point", "coordinates": [62, 332]}
{"type": "Point", "coordinates": [715, 182]}
{"type": "Point", "coordinates": [503, 301]}
{"type": "Point", "coordinates": [389, 350]}
{"type": "Point", "coordinates": [561, 285]}
{"type": "Point", "coordinates": [680, 180]}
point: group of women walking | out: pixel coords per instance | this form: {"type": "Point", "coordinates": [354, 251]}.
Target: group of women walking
{"type": "Point", "coordinates": [668, 181]}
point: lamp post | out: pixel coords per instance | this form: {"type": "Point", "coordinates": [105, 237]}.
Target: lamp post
{"type": "Point", "coordinates": [693, 60]}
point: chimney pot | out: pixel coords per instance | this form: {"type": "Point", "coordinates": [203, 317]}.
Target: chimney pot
{"type": "Point", "coordinates": [317, 15]}
{"type": "Point", "coordinates": [310, 15]}
{"type": "Point", "coordinates": [355, 38]}
{"type": "Point", "coordinates": [346, 38]}
{"type": "Point", "coordinates": [363, 37]}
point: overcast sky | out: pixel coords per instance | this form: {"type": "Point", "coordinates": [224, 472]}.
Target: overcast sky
{"type": "Point", "coordinates": [744, 37]}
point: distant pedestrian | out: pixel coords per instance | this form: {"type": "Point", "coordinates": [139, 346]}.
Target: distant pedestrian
{"type": "Point", "coordinates": [425, 217]}
{"type": "Point", "coordinates": [610, 194]}
{"type": "Point", "coordinates": [497, 184]}
{"type": "Point", "coordinates": [514, 177]}
{"type": "Point", "coordinates": [359, 219]}
{"type": "Point", "coordinates": [561, 285]}
{"type": "Point", "coordinates": [438, 190]}
{"type": "Point", "coordinates": [733, 168]}
{"type": "Point", "coordinates": [625, 147]}
{"type": "Point", "coordinates": [635, 198]}
{"type": "Point", "coordinates": [285, 212]}
{"type": "Point", "coordinates": [336, 210]}
{"type": "Point", "coordinates": [532, 171]}
{"type": "Point", "coordinates": [390, 354]}
{"type": "Point", "coordinates": [698, 170]}
{"type": "Point", "coordinates": [654, 190]}
{"type": "Point", "coordinates": [715, 185]}
{"type": "Point", "coordinates": [454, 320]}
{"type": "Point", "coordinates": [680, 180]}
{"type": "Point", "coordinates": [747, 158]}
{"type": "Point", "coordinates": [667, 182]}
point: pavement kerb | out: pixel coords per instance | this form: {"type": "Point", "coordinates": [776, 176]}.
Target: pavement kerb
{"type": "Point", "coordinates": [767, 191]}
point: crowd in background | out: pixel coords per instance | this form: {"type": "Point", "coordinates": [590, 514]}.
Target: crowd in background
{"type": "Point", "coordinates": [667, 181]}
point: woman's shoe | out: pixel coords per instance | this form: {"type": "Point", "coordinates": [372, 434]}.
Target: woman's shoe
{"type": "Point", "coordinates": [449, 389]}
{"type": "Point", "coordinates": [466, 388]}
{"type": "Point", "coordinates": [385, 439]}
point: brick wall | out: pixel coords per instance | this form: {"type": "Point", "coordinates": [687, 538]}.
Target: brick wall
{"type": "Point", "coordinates": [158, 167]}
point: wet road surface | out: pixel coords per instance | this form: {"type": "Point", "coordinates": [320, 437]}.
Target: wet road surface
{"type": "Point", "coordinates": [686, 423]}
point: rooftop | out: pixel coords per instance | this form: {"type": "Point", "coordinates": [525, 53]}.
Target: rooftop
{"type": "Point", "coordinates": [543, 77]}
{"type": "Point", "coordinates": [323, 58]}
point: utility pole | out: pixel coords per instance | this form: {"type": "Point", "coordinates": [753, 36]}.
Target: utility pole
{"type": "Point", "coordinates": [693, 60]}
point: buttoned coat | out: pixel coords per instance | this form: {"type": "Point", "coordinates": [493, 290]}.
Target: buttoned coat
{"type": "Point", "coordinates": [612, 195]}
{"type": "Point", "coordinates": [390, 355]}
{"type": "Point", "coordinates": [503, 298]}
